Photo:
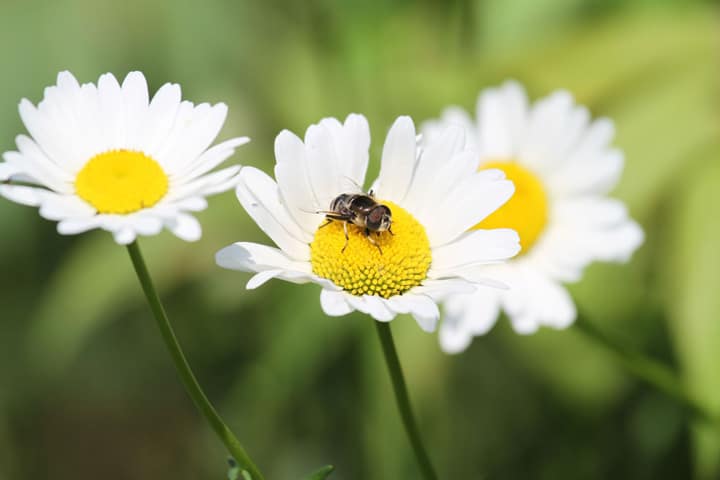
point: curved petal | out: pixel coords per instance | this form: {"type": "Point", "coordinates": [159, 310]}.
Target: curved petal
{"type": "Point", "coordinates": [293, 182]}
{"type": "Point", "coordinates": [536, 300]}
{"type": "Point", "coordinates": [443, 163]}
{"type": "Point", "coordinates": [502, 115]}
{"type": "Point", "coordinates": [554, 126]}
{"type": "Point", "coordinates": [478, 247]}
{"type": "Point", "coordinates": [112, 112]}
{"type": "Point", "coordinates": [162, 114]}
{"type": "Point", "coordinates": [585, 230]}
{"type": "Point", "coordinates": [253, 257]}
{"type": "Point", "coordinates": [372, 306]}
{"type": "Point", "coordinates": [473, 199]}
{"type": "Point", "coordinates": [424, 310]}
{"type": "Point", "coordinates": [432, 130]}
{"type": "Point", "coordinates": [398, 161]}
{"type": "Point", "coordinates": [59, 207]}
{"type": "Point", "coordinates": [468, 316]}
{"type": "Point", "coordinates": [190, 139]}
{"type": "Point", "coordinates": [136, 100]}
{"type": "Point", "coordinates": [355, 145]}
{"type": "Point", "coordinates": [323, 164]}
{"type": "Point", "coordinates": [334, 303]}
{"type": "Point", "coordinates": [185, 227]}
{"type": "Point", "coordinates": [210, 159]}
{"type": "Point", "coordinates": [124, 236]}
{"type": "Point", "coordinates": [259, 195]}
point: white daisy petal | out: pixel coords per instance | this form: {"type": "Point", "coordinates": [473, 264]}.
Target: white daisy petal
{"type": "Point", "coordinates": [467, 316]}
{"type": "Point", "coordinates": [211, 159]}
{"type": "Point", "coordinates": [456, 116]}
{"type": "Point", "coordinates": [334, 303]}
{"type": "Point", "coordinates": [398, 161]}
{"type": "Point", "coordinates": [473, 199]}
{"type": "Point", "coordinates": [73, 226]}
{"type": "Point", "coordinates": [52, 141]}
{"type": "Point", "coordinates": [293, 181]}
{"type": "Point", "coordinates": [354, 145]}
{"type": "Point", "coordinates": [136, 99]}
{"type": "Point", "coordinates": [31, 196]}
{"type": "Point", "coordinates": [371, 305]}
{"type": "Point", "coordinates": [214, 182]}
{"type": "Point", "coordinates": [547, 126]}
{"type": "Point", "coordinates": [112, 112]}
{"type": "Point", "coordinates": [36, 165]}
{"type": "Point", "coordinates": [440, 289]}
{"type": "Point", "coordinates": [424, 310]}
{"type": "Point", "coordinates": [8, 170]}
{"type": "Point", "coordinates": [501, 117]}
{"type": "Point", "coordinates": [253, 257]}
{"type": "Point", "coordinates": [150, 225]}
{"type": "Point", "coordinates": [479, 247]}
{"type": "Point", "coordinates": [261, 278]}
{"type": "Point", "coordinates": [185, 227]}
{"type": "Point", "coordinates": [124, 235]}
{"type": "Point", "coordinates": [194, 137]}
{"type": "Point", "coordinates": [322, 163]}
{"type": "Point", "coordinates": [162, 110]}
{"type": "Point", "coordinates": [442, 164]}
{"type": "Point", "coordinates": [538, 301]}
{"type": "Point", "coordinates": [259, 195]}
{"type": "Point", "coordinates": [59, 207]}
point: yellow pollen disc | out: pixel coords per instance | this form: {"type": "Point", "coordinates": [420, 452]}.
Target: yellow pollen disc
{"type": "Point", "coordinates": [121, 181]}
{"type": "Point", "coordinates": [527, 210]}
{"type": "Point", "coordinates": [361, 269]}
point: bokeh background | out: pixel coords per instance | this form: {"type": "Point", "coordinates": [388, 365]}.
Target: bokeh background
{"type": "Point", "coordinates": [87, 390]}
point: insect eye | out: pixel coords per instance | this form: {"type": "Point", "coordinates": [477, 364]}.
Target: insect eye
{"type": "Point", "coordinates": [375, 215]}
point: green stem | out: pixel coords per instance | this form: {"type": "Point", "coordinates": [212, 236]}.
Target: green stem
{"type": "Point", "coordinates": [649, 371]}
{"type": "Point", "coordinates": [183, 367]}
{"type": "Point", "coordinates": [403, 400]}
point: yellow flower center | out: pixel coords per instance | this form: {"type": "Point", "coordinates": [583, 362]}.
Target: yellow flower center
{"type": "Point", "coordinates": [527, 210]}
{"type": "Point", "coordinates": [362, 269]}
{"type": "Point", "coordinates": [121, 181]}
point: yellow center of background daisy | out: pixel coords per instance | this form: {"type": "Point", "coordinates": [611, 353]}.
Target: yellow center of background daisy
{"type": "Point", "coordinates": [361, 269]}
{"type": "Point", "coordinates": [121, 181]}
{"type": "Point", "coordinates": [527, 210]}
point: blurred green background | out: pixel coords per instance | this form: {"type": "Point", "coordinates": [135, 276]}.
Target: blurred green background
{"type": "Point", "coordinates": [87, 390]}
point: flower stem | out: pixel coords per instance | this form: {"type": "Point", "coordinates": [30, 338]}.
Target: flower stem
{"type": "Point", "coordinates": [403, 400]}
{"type": "Point", "coordinates": [183, 367]}
{"type": "Point", "coordinates": [647, 370]}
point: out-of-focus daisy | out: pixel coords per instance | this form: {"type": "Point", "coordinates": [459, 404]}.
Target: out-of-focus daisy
{"type": "Point", "coordinates": [107, 157]}
{"type": "Point", "coordinates": [563, 166]}
{"type": "Point", "coordinates": [434, 194]}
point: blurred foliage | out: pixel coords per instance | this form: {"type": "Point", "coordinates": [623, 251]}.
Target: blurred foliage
{"type": "Point", "coordinates": [86, 389]}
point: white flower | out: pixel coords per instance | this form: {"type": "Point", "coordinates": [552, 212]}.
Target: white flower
{"type": "Point", "coordinates": [563, 167]}
{"type": "Point", "coordinates": [435, 195]}
{"type": "Point", "coordinates": [107, 157]}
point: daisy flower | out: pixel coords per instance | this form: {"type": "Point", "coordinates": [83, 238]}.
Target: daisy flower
{"type": "Point", "coordinates": [106, 156]}
{"type": "Point", "coordinates": [563, 166]}
{"type": "Point", "coordinates": [434, 194]}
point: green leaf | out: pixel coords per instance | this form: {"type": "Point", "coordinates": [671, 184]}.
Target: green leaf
{"type": "Point", "coordinates": [321, 473]}
{"type": "Point", "coordinates": [692, 276]}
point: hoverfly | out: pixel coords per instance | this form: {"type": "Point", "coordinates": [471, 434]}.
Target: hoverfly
{"type": "Point", "coordinates": [362, 210]}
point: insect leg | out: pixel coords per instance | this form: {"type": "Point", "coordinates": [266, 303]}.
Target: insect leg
{"type": "Point", "coordinates": [372, 240]}
{"type": "Point", "coordinates": [347, 237]}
